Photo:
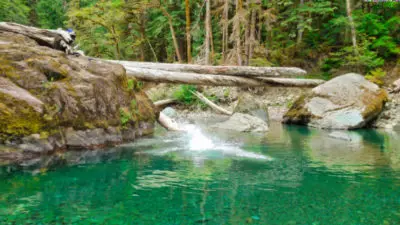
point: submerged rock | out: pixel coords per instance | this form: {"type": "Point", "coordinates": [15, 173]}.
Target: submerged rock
{"type": "Point", "coordinates": [50, 100]}
{"type": "Point", "coordinates": [243, 123]}
{"type": "Point", "coordinates": [345, 102]}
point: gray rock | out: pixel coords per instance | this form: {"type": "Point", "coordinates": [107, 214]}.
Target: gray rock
{"type": "Point", "coordinates": [243, 123]}
{"type": "Point", "coordinates": [276, 113]}
{"type": "Point", "coordinates": [170, 112]}
{"type": "Point", "coordinates": [346, 102]}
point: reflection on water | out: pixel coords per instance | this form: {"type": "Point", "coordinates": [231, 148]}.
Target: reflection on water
{"type": "Point", "coordinates": [292, 175]}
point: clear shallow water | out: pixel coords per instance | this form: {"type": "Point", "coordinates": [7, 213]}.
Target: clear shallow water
{"type": "Point", "coordinates": [292, 175]}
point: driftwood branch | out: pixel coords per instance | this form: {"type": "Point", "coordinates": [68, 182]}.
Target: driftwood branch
{"type": "Point", "coordinates": [243, 71]}
{"type": "Point", "coordinates": [168, 123]}
{"type": "Point", "coordinates": [211, 104]}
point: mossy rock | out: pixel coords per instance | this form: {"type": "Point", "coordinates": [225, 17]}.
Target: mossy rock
{"type": "Point", "coordinates": [346, 102]}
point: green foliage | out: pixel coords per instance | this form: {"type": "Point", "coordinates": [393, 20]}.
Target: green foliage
{"type": "Point", "coordinates": [376, 76]}
{"type": "Point", "coordinates": [125, 116]}
{"type": "Point", "coordinates": [185, 94]}
{"type": "Point", "coordinates": [14, 11]}
{"type": "Point", "coordinates": [51, 14]}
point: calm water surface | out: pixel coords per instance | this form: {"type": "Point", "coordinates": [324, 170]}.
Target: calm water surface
{"type": "Point", "coordinates": [292, 175]}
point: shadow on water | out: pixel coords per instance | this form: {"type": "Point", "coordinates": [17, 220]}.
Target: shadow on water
{"type": "Point", "coordinates": [290, 175]}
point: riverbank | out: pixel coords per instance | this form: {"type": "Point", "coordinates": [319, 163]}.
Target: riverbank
{"type": "Point", "coordinates": [273, 101]}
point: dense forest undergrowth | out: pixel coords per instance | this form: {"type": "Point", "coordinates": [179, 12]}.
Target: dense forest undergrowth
{"type": "Point", "coordinates": [327, 38]}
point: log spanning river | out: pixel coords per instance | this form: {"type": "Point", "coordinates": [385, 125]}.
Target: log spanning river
{"type": "Point", "coordinates": [292, 175]}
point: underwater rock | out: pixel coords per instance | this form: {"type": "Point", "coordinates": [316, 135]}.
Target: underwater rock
{"type": "Point", "coordinates": [345, 102]}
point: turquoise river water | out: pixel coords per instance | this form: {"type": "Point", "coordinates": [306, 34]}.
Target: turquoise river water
{"type": "Point", "coordinates": [292, 175]}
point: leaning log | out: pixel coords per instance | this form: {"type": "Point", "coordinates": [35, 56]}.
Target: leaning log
{"type": "Point", "coordinates": [168, 123]}
{"type": "Point", "coordinates": [212, 105]}
{"type": "Point", "coordinates": [287, 82]}
{"type": "Point", "coordinates": [243, 71]}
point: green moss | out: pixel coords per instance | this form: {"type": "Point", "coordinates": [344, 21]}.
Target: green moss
{"type": "Point", "coordinates": [17, 118]}
{"type": "Point", "coordinates": [7, 70]}
{"type": "Point", "coordinates": [374, 102]}
{"type": "Point", "coordinates": [298, 113]}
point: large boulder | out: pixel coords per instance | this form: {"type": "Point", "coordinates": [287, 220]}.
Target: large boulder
{"type": "Point", "coordinates": [50, 100]}
{"type": "Point", "coordinates": [345, 102]}
{"type": "Point", "coordinates": [243, 123]}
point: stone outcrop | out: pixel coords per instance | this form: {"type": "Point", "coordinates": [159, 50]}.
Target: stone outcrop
{"type": "Point", "coordinates": [50, 100]}
{"type": "Point", "coordinates": [345, 102]}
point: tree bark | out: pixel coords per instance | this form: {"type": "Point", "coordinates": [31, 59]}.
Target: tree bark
{"type": "Point", "coordinates": [244, 71]}
{"type": "Point", "coordinates": [225, 24]}
{"type": "Point", "coordinates": [208, 33]}
{"type": "Point", "coordinates": [252, 33]}
{"type": "Point", "coordinates": [300, 27]}
{"type": "Point", "coordinates": [352, 26]}
{"type": "Point", "coordinates": [174, 39]}
{"type": "Point", "coordinates": [188, 33]}
{"type": "Point", "coordinates": [237, 28]}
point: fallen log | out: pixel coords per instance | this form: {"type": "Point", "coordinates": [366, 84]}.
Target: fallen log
{"type": "Point", "coordinates": [168, 123]}
{"type": "Point", "coordinates": [211, 104]}
{"type": "Point", "coordinates": [162, 76]}
{"type": "Point", "coordinates": [287, 82]}
{"type": "Point", "coordinates": [56, 39]}
{"type": "Point", "coordinates": [243, 71]}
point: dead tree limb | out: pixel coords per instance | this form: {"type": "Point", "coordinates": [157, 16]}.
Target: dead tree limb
{"type": "Point", "coordinates": [211, 104]}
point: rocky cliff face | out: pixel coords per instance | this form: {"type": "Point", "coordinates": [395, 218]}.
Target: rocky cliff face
{"type": "Point", "coordinates": [50, 100]}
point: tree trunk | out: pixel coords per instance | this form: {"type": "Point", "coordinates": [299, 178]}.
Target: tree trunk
{"type": "Point", "coordinates": [237, 28]}
{"type": "Point", "coordinates": [208, 32]}
{"type": "Point", "coordinates": [245, 71]}
{"type": "Point", "coordinates": [352, 26]}
{"type": "Point", "coordinates": [143, 37]}
{"type": "Point", "coordinates": [174, 39]}
{"type": "Point", "coordinates": [252, 34]}
{"type": "Point", "coordinates": [300, 27]}
{"type": "Point", "coordinates": [225, 24]}
{"type": "Point", "coordinates": [188, 33]}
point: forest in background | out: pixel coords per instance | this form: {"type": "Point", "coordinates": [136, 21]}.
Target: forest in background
{"type": "Point", "coordinates": [324, 37]}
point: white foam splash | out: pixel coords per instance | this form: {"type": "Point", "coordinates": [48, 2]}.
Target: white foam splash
{"type": "Point", "coordinates": [199, 142]}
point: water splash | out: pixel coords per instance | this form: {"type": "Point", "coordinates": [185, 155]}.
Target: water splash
{"type": "Point", "coordinates": [199, 142]}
